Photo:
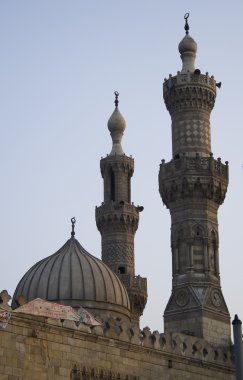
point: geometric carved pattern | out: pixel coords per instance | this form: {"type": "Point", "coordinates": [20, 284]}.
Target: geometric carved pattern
{"type": "Point", "coordinates": [117, 163]}
{"type": "Point", "coordinates": [193, 178]}
{"type": "Point", "coordinates": [113, 217]}
{"type": "Point", "coordinates": [182, 297]}
{"type": "Point", "coordinates": [196, 297]}
{"type": "Point", "coordinates": [191, 135]}
{"type": "Point", "coordinates": [117, 252]}
{"type": "Point", "coordinates": [194, 94]}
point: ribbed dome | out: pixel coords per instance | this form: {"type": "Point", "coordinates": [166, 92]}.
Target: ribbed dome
{"type": "Point", "coordinates": [72, 276]}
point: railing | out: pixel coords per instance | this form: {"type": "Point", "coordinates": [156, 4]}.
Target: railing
{"type": "Point", "coordinates": [134, 281]}
{"type": "Point", "coordinates": [195, 165]}
{"type": "Point", "coordinates": [190, 78]}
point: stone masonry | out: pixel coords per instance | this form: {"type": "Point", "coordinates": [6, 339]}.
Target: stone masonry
{"type": "Point", "coordinates": [193, 186]}
{"type": "Point", "coordinates": [39, 348]}
{"type": "Point", "coordinates": [117, 218]}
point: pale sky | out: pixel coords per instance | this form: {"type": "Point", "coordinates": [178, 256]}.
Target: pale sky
{"type": "Point", "coordinates": [61, 61]}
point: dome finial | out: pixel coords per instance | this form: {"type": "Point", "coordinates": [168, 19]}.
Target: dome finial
{"type": "Point", "coordinates": [116, 98]}
{"type": "Point", "coordinates": [73, 221]}
{"type": "Point", "coordinates": [186, 24]}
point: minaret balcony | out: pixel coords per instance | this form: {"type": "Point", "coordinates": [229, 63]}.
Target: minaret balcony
{"type": "Point", "coordinates": [193, 177]}
{"type": "Point", "coordinates": [136, 282]}
{"type": "Point", "coordinates": [120, 213]}
{"type": "Point", "coordinates": [117, 163]}
{"type": "Point", "coordinates": [189, 91]}
{"type": "Point", "coordinates": [137, 290]}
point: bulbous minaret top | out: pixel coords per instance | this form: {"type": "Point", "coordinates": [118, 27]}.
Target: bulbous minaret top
{"type": "Point", "coordinates": [187, 48]}
{"type": "Point", "coordinates": [116, 125]}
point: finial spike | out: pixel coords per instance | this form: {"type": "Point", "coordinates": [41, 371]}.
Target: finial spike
{"type": "Point", "coordinates": [186, 24]}
{"type": "Point", "coordinates": [73, 221]}
{"type": "Point", "coordinates": [116, 98]}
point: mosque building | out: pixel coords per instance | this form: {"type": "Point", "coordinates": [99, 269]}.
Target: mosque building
{"type": "Point", "coordinates": [38, 341]}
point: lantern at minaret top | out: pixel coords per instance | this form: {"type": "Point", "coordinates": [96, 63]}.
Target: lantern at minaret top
{"type": "Point", "coordinates": [193, 186]}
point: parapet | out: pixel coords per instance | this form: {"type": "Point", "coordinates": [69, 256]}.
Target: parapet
{"type": "Point", "coordinates": [185, 91]}
{"type": "Point", "coordinates": [193, 177]}
{"type": "Point", "coordinates": [173, 344]}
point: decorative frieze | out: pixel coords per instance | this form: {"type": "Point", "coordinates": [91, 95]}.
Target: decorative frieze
{"type": "Point", "coordinates": [117, 163]}
{"type": "Point", "coordinates": [117, 217]}
{"type": "Point", "coordinates": [193, 178]}
{"type": "Point", "coordinates": [189, 91]}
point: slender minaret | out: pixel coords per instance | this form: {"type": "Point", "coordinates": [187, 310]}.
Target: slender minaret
{"type": "Point", "coordinates": [193, 186]}
{"type": "Point", "coordinates": [117, 218]}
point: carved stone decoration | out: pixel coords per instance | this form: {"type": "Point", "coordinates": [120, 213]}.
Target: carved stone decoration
{"type": "Point", "coordinates": [182, 297]}
{"type": "Point", "coordinates": [193, 178]}
{"type": "Point", "coordinates": [189, 91]}
{"type": "Point", "coordinates": [200, 292]}
{"type": "Point", "coordinates": [4, 299]}
{"type": "Point", "coordinates": [83, 372]}
{"type": "Point", "coordinates": [192, 186]}
{"type": "Point", "coordinates": [216, 298]}
{"type": "Point", "coordinates": [117, 220]}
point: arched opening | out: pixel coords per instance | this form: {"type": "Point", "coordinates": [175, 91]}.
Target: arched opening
{"type": "Point", "coordinates": [213, 252]}
{"type": "Point", "coordinates": [112, 185]}
{"type": "Point", "coordinates": [198, 248]}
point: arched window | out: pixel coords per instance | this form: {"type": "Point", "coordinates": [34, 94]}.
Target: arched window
{"type": "Point", "coordinates": [112, 183]}
{"type": "Point", "coordinates": [198, 248]}
{"type": "Point", "coordinates": [128, 188]}
{"type": "Point", "coordinates": [213, 252]}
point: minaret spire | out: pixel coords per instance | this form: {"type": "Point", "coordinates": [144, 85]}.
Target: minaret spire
{"type": "Point", "coordinates": [188, 49]}
{"type": "Point", "coordinates": [186, 24]}
{"type": "Point", "coordinates": [117, 218]}
{"type": "Point", "coordinates": [116, 126]}
{"type": "Point", "coordinates": [116, 98]}
{"type": "Point", "coordinates": [193, 185]}
{"type": "Point", "coordinates": [73, 221]}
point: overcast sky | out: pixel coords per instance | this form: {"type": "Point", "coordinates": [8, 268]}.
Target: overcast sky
{"type": "Point", "coordinates": [61, 61]}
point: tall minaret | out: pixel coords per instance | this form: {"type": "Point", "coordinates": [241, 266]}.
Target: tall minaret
{"type": "Point", "coordinates": [117, 218]}
{"type": "Point", "coordinates": [193, 186]}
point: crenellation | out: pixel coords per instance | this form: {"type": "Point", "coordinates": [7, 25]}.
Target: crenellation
{"type": "Point", "coordinates": [177, 343]}
{"type": "Point", "coordinates": [189, 78]}
{"type": "Point", "coordinates": [127, 356]}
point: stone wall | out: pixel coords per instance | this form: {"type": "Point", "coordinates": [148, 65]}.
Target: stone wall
{"type": "Point", "coordinates": [37, 348]}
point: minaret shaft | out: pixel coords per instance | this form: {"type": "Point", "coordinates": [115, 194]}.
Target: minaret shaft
{"type": "Point", "coordinates": [193, 185]}
{"type": "Point", "coordinates": [117, 218]}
